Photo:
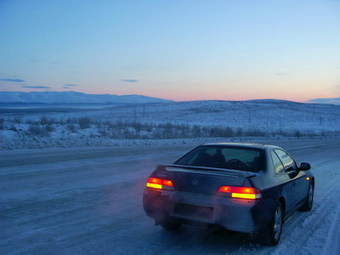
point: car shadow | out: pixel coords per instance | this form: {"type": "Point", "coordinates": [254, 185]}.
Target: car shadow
{"type": "Point", "coordinates": [203, 240]}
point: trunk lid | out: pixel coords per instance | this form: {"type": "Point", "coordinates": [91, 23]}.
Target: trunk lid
{"type": "Point", "coordinates": [204, 180]}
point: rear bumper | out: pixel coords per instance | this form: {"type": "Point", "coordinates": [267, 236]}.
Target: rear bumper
{"type": "Point", "coordinates": [234, 214]}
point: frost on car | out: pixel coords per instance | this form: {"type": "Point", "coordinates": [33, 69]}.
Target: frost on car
{"type": "Point", "coordinates": [249, 188]}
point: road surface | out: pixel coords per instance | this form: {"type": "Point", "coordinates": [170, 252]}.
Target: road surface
{"type": "Point", "coordinates": [89, 201]}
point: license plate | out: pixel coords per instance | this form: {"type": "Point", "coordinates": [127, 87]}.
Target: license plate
{"type": "Point", "coordinates": [192, 211]}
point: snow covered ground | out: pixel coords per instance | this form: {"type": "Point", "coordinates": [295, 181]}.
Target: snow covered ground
{"type": "Point", "coordinates": [88, 201]}
{"type": "Point", "coordinates": [44, 126]}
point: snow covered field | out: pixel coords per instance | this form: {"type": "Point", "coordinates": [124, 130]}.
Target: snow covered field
{"type": "Point", "coordinates": [44, 126]}
{"type": "Point", "coordinates": [88, 201]}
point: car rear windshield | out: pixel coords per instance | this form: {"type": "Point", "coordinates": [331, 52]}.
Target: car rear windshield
{"type": "Point", "coordinates": [238, 158]}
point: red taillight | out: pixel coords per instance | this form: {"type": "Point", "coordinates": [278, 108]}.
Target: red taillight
{"type": "Point", "coordinates": [158, 183]}
{"type": "Point", "coordinates": [241, 192]}
{"type": "Point", "coordinates": [168, 183]}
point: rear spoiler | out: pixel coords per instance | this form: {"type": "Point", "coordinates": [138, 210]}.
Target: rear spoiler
{"type": "Point", "coordinates": [207, 170]}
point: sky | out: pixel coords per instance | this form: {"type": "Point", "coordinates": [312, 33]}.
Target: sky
{"type": "Point", "coordinates": [179, 49]}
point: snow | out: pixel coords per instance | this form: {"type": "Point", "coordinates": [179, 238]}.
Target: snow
{"type": "Point", "coordinates": [89, 201]}
{"type": "Point", "coordinates": [72, 97]}
{"type": "Point", "coordinates": [79, 191]}
{"type": "Point", "coordinates": [142, 122]}
{"type": "Point", "coordinates": [332, 245]}
{"type": "Point", "coordinates": [325, 100]}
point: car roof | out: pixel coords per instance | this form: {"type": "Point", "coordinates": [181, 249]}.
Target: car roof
{"type": "Point", "coordinates": [242, 145]}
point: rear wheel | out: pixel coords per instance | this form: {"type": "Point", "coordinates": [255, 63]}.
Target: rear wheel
{"type": "Point", "coordinates": [272, 234]}
{"type": "Point", "coordinates": [308, 204]}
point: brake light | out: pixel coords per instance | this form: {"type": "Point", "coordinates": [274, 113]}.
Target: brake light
{"type": "Point", "coordinates": [241, 192]}
{"type": "Point", "coordinates": [158, 183]}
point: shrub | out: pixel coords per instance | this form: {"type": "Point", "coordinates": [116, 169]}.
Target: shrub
{"type": "Point", "coordinates": [49, 128]}
{"type": "Point", "coordinates": [84, 122]}
{"type": "Point", "coordinates": [196, 131]}
{"type": "Point", "coordinates": [37, 130]}
{"type": "Point", "coordinates": [43, 121]}
{"type": "Point", "coordinates": [47, 121]}
{"type": "Point", "coordinates": [17, 120]}
{"type": "Point", "coordinates": [298, 133]}
{"type": "Point", "coordinates": [72, 128]}
{"type": "Point", "coordinates": [2, 124]}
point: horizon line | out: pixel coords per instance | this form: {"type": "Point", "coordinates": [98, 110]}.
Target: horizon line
{"type": "Point", "coordinates": [189, 100]}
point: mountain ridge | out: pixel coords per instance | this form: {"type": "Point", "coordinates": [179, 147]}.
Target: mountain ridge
{"type": "Point", "coordinates": [73, 97]}
{"type": "Point", "coordinates": [335, 100]}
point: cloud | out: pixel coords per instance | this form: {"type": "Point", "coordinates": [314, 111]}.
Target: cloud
{"type": "Point", "coordinates": [12, 80]}
{"type": "Point", "coordinates": [35, 87]}
{"type": "Point", "coordinates": [71, 85]}
{"type": "Point", "coordinates": [129, 80]}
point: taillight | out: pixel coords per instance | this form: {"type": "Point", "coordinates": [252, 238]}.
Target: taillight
{"type": "Point", "coordinates": [158, 183]}
{"type": "Point", "coordinates": [241, 192]}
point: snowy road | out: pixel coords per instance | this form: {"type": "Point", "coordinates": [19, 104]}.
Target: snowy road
{"type": "Point", "coordinates": [88, 201]}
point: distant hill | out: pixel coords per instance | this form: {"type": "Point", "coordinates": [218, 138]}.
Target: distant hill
{"type": "Point", "coordinates": [270, 101]}
{"type": "Point", "coordinates": [325, 100]}
{"type": "Point", "coordinates": [72, 97]}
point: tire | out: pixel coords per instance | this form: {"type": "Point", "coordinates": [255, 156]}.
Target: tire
{"type": "Point", "coordinates": [272, 234]}
{"type": "Point", "coordinates": [308, 204]}
{"type": "Point", "coordinates": [170, 224]}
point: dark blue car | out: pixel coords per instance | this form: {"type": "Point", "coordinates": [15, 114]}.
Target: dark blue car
{"type": "Point", "coordinates": [241, 187]}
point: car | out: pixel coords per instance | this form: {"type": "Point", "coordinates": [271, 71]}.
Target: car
{"type": "Point", "coordinates": [242, 187]}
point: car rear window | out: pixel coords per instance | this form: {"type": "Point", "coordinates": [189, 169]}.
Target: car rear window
{"type": "Point", "coordinates": [246, 159]}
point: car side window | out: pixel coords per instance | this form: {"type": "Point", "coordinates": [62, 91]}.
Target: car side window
{"type": "Point", "coordinates": [286, 160]}
{"type": "Point", "coordinates": [278, 167]}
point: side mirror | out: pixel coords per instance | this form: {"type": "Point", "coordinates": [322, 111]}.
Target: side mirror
{"type": "Point", "coordinates": [304, 166]}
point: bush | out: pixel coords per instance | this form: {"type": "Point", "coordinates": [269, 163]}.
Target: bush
{"type": "Point", "coordinates": [255, 132]}
{"type": "Point", "coordinates": [72, 128]}
{"type": "Point", "coordinates": [139, 130]}
{"type": "Point", "coordinates": [47, 121]}
{"type": "Point", "coordinates": [17, 120]}
{"type": "Point", "coordinates": [84, 122]}
{"type": "Point", "coordinates": [219, 131]}
{"type": "Point", "coordinates": [43, 121]}
{"type": "Point", "coordinates": [37, 130]}
{"type": "Point", "coordinates": [13, 128]}
{"type": "Point", "coordinates": [2, 124]}
{"type": "Point", "coordinates": [49, 128]}
{"type": "Point", "coordinates": [298, 133]}
{"type": "Point", "coordinates": [196, 131]}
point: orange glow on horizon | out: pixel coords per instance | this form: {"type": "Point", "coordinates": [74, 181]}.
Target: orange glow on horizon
{"type": "Point", "coordinates": [207, 93]}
